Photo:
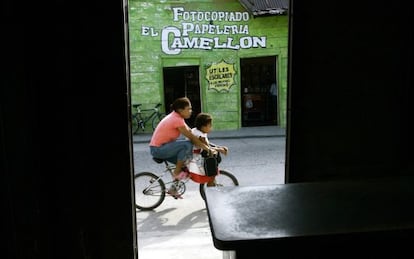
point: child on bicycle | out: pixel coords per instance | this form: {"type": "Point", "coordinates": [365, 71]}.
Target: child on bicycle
{"type": "Point", "coordinates": [203, 125]}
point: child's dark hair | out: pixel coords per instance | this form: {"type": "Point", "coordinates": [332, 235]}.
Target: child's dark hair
{"type": "Point", "coordinates": [202, 119]}
{"type": "Point", "coordinates": [180, 103]}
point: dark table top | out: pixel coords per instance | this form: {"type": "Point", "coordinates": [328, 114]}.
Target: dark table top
{"type": "Point", "coordinates": [306, 210]}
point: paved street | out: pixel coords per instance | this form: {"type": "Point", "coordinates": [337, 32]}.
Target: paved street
{"type": "Point", "coordinates": [179, 228]}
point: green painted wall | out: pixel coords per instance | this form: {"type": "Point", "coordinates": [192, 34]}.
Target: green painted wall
{"type": "Point", "coordinates": [148, 58]}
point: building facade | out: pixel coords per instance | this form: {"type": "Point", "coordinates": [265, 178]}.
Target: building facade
{"type": "Point", "coordinates": [217, 53]}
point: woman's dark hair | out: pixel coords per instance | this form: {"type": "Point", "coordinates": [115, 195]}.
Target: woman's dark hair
{"type": "Point", "coordinates": [202, 119]}
{"type": "Point", "coordinates": [180, 103]}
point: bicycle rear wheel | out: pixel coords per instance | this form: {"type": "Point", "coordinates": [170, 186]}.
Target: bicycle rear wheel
{"type": "Point", "coordinates": [134, 124]}
{"type": "Point", "coordinates": [149, 191]}
{"type": "Point", "coordinates": [157, 120]}
{"type": "Point", "coordinates": [137, 124]}
{"type": "Point", "coordinates": [224, 178]}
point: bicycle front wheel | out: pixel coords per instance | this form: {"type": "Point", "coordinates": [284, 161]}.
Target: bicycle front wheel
{"type": "Point", "coordinates": [157, 120]}
{"type": "Point", "coordinates": [149, 191]}
{"type": "Point", "coordinates": [224, 178]}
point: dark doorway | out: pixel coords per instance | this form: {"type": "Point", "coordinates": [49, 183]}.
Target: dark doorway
{"type": "Point", "coordinates": [259, 107]}
{"type": "Point", "coordinates": [182, 81]}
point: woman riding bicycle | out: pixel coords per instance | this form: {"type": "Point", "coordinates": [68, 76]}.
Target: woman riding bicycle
{"type": "Point", "coordinates": [164, 142]}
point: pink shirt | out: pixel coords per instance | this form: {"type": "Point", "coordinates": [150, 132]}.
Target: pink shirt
{"type": "Point", "coordinates": [167, 129]}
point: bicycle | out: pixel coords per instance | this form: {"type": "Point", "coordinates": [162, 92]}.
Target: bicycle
{"type": "Point", "coordinates": [151, 189]}
{"type": "Point", "coordinates": [139, 121]}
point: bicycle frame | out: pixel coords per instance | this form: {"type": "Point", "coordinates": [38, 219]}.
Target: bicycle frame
{"type": "Point", "coordinates": [147, 118]}
{"type": "Point", "coordinates": [169, 168]}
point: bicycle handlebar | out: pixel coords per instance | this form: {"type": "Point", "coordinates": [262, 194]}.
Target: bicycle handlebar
{"type": "Point", "coordinates": [136, 106]}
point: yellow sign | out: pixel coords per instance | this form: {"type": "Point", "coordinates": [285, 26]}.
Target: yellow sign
{"type": "Point", "coordinates": [220, 76]}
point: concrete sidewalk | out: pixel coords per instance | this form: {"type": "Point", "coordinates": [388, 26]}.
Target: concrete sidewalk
{"type": "Point", "coordinates": [245, 132]}
{"type": "Point", "coordinates": [180, 229]}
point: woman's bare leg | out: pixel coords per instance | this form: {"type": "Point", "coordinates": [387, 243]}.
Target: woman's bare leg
{"type": "Point", "coordinates": [178, 167]}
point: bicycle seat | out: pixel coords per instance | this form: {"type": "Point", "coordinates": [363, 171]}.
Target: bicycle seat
{"type": "Point", "coordinates": [136, 105]}
{"type": "Point", "coordinates": [158, 160]}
